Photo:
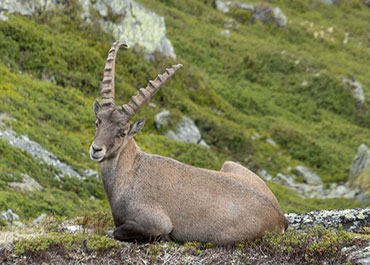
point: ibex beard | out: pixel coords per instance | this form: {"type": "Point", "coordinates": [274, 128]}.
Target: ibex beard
{"type": "Point", "coordinates": [152, 196]}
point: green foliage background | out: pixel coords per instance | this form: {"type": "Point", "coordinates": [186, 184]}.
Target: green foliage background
{"type": "Point", "coordinates": [282, 83]}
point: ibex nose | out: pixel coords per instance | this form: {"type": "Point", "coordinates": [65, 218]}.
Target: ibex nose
{"type": "Point", "coordinates": [96, 149]}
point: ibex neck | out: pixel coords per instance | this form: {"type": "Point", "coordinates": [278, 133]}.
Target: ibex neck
{"type": "Point", "coordinates": [115, 170]}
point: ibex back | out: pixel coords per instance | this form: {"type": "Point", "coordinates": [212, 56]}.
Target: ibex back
{"type": "Point", "coordinates": [152, 196]}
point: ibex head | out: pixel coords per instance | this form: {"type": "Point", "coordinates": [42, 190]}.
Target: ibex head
{"type": "Point", "coordinates": [113, 128]}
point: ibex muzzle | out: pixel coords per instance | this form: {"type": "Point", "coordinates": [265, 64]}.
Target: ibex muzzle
{"type": "Point", "coordinates": [154, 196]}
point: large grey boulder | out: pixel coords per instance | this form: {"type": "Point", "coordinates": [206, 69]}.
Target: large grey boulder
{"type": "Point", "coordinates": [360, 163]}
{"type": "Point", "coordinates": [161, 119]}
{"type": "Point", "coordinates": [308, 176]}
{"type": "Point", "coordinates": [264, 13]}
{"type": "Point", "coordinates": [28, 184]}
{"type": "Point", "coordinates": [186, 131]}
{"type": "Point", "coordinates": [356, 89]}
{"type": "Point", "coordinates": [352, 220]}
{"type": "Point", "coordinates": [131, 23]}
{"type": "Point", "coordinates": [26, 8]}
{"type": "Point", "coordinates": [125, 19]}
{"type": "Point", "coordinates": [9, 216]}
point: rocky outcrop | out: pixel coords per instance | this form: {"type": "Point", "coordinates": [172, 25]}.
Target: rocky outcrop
{"type": "Point", "coordinates": [28, 184]}
{"type": "Point", "coordinates": [258, 12]}
{"type": "Point", "coordinates": [308, 176]}
{"type": "Point", "coordinates": [352, 220]}
{"type": "Point", "coordinates": [9, 216]}
{"type": "Point", "coordinates": [356, 89]}
{"type": "Point", "coordinates": [126, 19]}
{"type": "Point", "coordinates": [37, 151]}
{"type": "Point", "coordinates": [186, 131]}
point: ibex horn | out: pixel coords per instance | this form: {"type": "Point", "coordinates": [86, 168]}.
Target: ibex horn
{"type": "Point", "coordinates": [107, 91]}
{"type": "Point", "coordinates": [145, 94]}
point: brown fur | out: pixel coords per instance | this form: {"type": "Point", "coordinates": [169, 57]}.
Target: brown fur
{"type": "Point", "coordinates": [153, 196]}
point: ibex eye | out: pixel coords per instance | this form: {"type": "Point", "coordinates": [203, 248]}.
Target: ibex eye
{"type": "Point", "coordinates": [122, 135]}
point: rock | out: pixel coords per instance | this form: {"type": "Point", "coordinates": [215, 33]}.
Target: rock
{"type": "Point", "coordinates": [9, 216]}
{"type": "Point", "coordinates": [3, 17]}
{"type": "Point", "coordinates": [131, 23]}
{"type": "Point", "coordinates": [356, 89]}
{"type": "Point", "coordinates": [48, 77]}
{"type": "Point", "coordinates": [225, 33]}
{"type": "Point", "coordinates": [203, 143]}
{"type": "Point", "coordinates": [125, 19]}
{"type": "Point", "coordinates": [271, 141]}
{"type": "Point", "coordinates": [360, 163]}
{"type": "Point", "coordinates": [91, 173]}
{"type": "Point", "coordinates": [264, 174]}
{"type": "Point", "coordinates": [352, 220]}
{"type": "Point", "coordinates": [330, 2]}
{"type": "Point", "coordinates": [361, 256]}
{"type": "Point", "coordinates": [259, 12]}
{"type": "Point", "coordinates": [37, 151]}
{"type": "Point", "coordinates": [186, 131]}
{"type": "Point", "coordinates": [309, 177]}
{"type": "Point", "coordinates": [161, 119]}
{"type": "Point", "coordinates": [28, 184]}
{"type": "Point", "coordinates": [74, 228]}
{"type": "Point", "coordinates": [39, 219]}
{"type": "Point", "coordinates": [27, 8]}
{"type": "Point", "coordinates": [284, 180]}
{"type": "Point", "coordinates": [5, 118]}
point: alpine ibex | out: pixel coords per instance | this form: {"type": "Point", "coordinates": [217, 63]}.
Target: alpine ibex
{"type": "Point", "coordinates": [152, 196]}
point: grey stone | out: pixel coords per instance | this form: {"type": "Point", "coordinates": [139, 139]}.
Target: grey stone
{"type": "Point", "coordinates": [74, 228]}
{"type": "Point", "coordinates": [39, 219]}
{"type": "Point", "coordinates": [225, 33]}
{"type": "Point", "coordinates": [271, 141]}
{"type": "Point", "coordinates": [91, 173]}
{"type": "Point", "coordinates": [203, 143]}
{"type": "Point", "coordinates": [48, 77]}
{"type": "Point", "coordinates": [3, 17]}
{"type": "Point", "coordinates": [161, 118]}
{"type": "Point", "coordinates": [356, 89]}
{"type": "Point", "coordinates": [9, 216]}
{"type": "Point", "coordinates": [259, 12]}
{"type": "Point", "coordinates": [186, 131]}
{"type": "Point", "coordinates": [134, 24]}
{"type": "Point", "coordinates": [361, 256]}
{"type": "Point", "coordinates": [264, 174]}
{"type": "Point", "coordinates": [37, 151]}
{"type": "Point", "coordinates": [28, 184]}
{"type": "Point", "coordinates": [26, 8]}
{"type": "Point", "coordinates": [330, 2]}
{"type": "Point", "coordinates": [352, 220]}
{"type": "Point", "coordinates": [284, 180]}
{"type": "Point", "coordinates": [309, 177]}
{"type": "Point", "coordinates": [361, 162]}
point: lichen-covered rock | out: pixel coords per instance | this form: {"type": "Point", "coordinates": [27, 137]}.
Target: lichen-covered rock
{"type": "Point", "coordinates": [356, 89]}
{"type": "Point", "coordinates": [28, 184]}
{"type": "Point", "coordinates": [186, 131]}
{"type": "Point", "coordinates": [26, 8]}
{"type": "Point", "coordinates": [126, 19]}
{"type": "Point", "coordinates": [131, 23]}
{"type": "Point", "coordinates": [360, 163]}
{"type": "Point", "coordinates": [9, 216]}
{"type": "Point", "coordinates": [37, 151]}
{"type": "Point", "coordinates": [308, 176]}
{"type": "Point", "coordinates": [161, 119]}
{"type": "Point", "coordinates": [352, 220]}
{"type": "Point", "coordinates": [259, 12]}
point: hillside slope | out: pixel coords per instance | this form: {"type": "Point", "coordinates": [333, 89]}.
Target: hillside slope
{"type": "Point", "coordinates": [280, 84]}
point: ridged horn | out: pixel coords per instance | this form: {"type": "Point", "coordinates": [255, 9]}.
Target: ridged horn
{"type": "Point", "coordinates": [107, 91]}
{"type": "Point", "coordinates": [145, 94]}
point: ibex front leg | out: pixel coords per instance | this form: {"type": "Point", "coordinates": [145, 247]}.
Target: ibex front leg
{"type": "Point", "coordinates": [145, 227]}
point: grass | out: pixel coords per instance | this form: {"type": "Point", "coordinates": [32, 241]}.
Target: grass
{"type": "Point", "coordinates": [283, 84]}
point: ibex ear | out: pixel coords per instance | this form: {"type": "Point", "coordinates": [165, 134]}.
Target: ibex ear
{"type": "Point", "coordinates": [97, 107]}
{"type": "Point", "coordinates": [136, 127]}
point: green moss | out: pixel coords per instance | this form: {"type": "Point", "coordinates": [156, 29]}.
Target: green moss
{"type": "Point", "coordinates": [40, 244]}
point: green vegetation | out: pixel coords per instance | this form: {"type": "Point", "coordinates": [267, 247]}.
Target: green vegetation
{"type": "Point", "coordinates": [283, 84]}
